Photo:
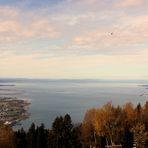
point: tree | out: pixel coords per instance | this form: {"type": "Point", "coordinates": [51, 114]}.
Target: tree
{"type": "Point", "coordinates": [129, 116]}
{"type": "Point", "coordinates": [145, 115]}
{"type": "Point", "coordinates": [76, 136]}
{"type": "Point", "coordinates": [140, 135]}
{"type": "Point", "coordinates": [7, 137]}
{"type": "Point", "coordinates": [67, 131]}
{"type": "Point", "coordinates": [31, 136]}
{"type": "Point", "coordinates": [61, 133]}
{"type": "Point", "coordinates": [145, 118]}
{"type": "Point", "coordinates": [127, 139]}
{"type": "Point", "coordinates": [87, 129]}
{"type": "Point", "coordinates": [138, 113]}
{"type": "Point", "coordinates": [108, 123]}
{"type": "Point", "coordinates": [21, 138]}
{"type": "Point", "coordinates": [57, 128]}
{"type": "Point", "coordinates": [41, 136]}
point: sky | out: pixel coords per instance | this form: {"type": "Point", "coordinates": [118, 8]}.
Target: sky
{"type": "Point", "coordinates": [76, 39]}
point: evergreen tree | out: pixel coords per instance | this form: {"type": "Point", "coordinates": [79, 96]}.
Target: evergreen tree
{"type": "Point", "coordinates": [42, 136]}
{"type": "Point", "coordinates": [31, 136]}
{"type": "Point", "coordinates": [21, 138]}
{"type": "Point", "coordinates": [57, 128]}
{"type": "Point", "coordinates": [67, 131]}
{"type": "Point", "coordinates": [76, 136]}
{"type": "Point", "coordinates": [61, 134]}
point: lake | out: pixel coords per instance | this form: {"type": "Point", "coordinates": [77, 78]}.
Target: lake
{"type": "Point", "coordinates": [52, 98]}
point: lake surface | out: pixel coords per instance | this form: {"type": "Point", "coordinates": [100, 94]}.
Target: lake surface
{"type": "Point", "coordinates": [52, 98]}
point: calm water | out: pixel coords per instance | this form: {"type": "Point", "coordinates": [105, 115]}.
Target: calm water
{"type": "Point", "coordinates": [51, 98]}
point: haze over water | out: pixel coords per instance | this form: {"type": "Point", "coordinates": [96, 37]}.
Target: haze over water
{"type": "Point", "coordinates": [52, 98]}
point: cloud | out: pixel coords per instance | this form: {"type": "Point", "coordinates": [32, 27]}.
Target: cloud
{"type": "Point", "coordinates": [6, 11]}
{"type": "Point", "coordinates": [96, 66]}
{"type": "Point", "coordinates": [86, 38]}
{"type": "Point", "coordinates": [93, 32]}
{"type": "Point", "coordinates": [125, 33]}
{"type": "Point", "coordinates": [17, 26]}
{"type": "Point", "coordinates": [11, 31]}
{"type": "Point", "coordinates": [83, 1]}
{"type": "Point", "coordinates": [128, 3]}
{"type": "Point", "coordinates": [87, 1]}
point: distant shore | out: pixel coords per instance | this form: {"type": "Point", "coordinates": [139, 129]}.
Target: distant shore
{"type": "Point", "coordinates": [7, 84]}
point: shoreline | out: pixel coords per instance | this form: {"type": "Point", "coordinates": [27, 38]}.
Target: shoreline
{"type": "Point", "coordinates": [13, 110]}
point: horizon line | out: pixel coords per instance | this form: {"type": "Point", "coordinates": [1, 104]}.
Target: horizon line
{"type": "Point", "coordinates": [98, 79]}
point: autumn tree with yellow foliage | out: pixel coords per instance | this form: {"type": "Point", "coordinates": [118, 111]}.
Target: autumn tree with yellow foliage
{"type": "Point", "coordinates": [114, 123]}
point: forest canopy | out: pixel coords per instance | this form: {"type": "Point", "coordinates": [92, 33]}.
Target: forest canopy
{"type": "Point", "coordinates": [106, 127]}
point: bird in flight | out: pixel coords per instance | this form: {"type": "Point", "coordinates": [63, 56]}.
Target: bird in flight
{"type": "Point", "coordinates": [111, 33]}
